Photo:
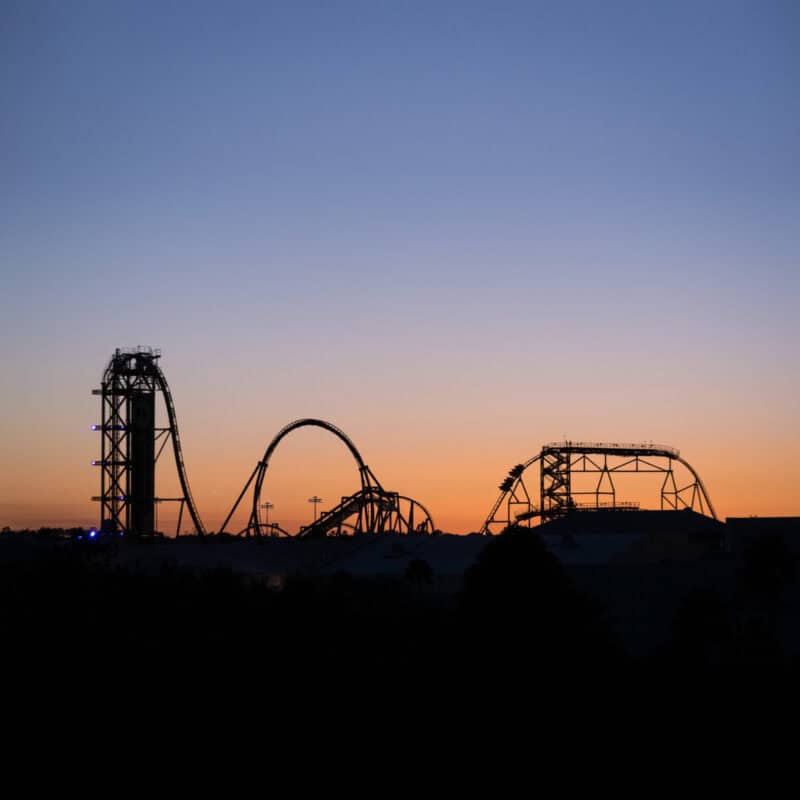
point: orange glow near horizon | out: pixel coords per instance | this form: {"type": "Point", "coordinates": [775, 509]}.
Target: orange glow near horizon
{"type": "Point", "coordinates": [456, 481]}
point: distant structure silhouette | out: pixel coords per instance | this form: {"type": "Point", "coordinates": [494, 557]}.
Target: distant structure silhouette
{"type": "Point", "coordinates": [559, 461]}
{"type": "Point", "coordinates": [370, 510]}
{"type": "Point", "coordinates": [131, 444]}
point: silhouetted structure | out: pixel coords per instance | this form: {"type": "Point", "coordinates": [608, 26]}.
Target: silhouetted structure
{"type": "Point", "coordinates": [131, 444]}
{"type": "Point", "coordinates": [370, 510]}
{"type": "Point", "coordinates": [558, 461]}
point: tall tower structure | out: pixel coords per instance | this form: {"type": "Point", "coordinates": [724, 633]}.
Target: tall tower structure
{"type": "Point", "coordinates": [131, 444]}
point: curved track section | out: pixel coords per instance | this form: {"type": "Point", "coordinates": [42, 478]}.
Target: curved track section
{"type": "Point", "coordinates": [417, 524]}
{"type": "Point", "coordinates": [178, 452]}
{"type": "Point", "coordinates": [513, 493]}
{"type": "Point", "coordinates": [368, 480]}
{"type": "Point", "coordinates": [699, 483]}
{"type": "Point", "coordinates": [317, 423]}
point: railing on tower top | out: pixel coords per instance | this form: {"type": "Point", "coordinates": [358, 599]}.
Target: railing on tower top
{"type": "Point", "coordinates": [649, 447]}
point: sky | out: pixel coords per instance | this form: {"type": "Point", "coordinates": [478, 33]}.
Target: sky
{"type": "Point", "coordinates": [457, 231]}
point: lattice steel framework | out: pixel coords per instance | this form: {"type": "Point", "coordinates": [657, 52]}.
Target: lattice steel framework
{"type": "Point", "coordinates": [131, 444]}
{"type": "Point", "coordinates": [370, 510]}
{"type": "Point", "coordinates": [559, 461]}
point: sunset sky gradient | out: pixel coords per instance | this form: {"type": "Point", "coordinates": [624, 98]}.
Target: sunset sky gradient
{"type": "Point", "coordinates": [455, 230]}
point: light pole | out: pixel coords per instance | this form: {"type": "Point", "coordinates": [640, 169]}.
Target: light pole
{"type": "Point", "coordinates": [316, 501]}
{"type": "Point", "coordinates": [266, 506]}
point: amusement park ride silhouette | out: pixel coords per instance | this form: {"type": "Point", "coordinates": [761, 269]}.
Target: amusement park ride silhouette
{"type": "Point", "coordinates": [131, 445]}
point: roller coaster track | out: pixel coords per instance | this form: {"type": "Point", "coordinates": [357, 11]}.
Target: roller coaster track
{"type": "Point", "coordinates": [333, 519]}
{"type": "Point", "coordinates": [130, 384]}
{"type": "Point", "coordinates": [377, 510]}
{"type": "Point", "coordinates": [133, 378]}
{"type": "Point", "coordinates": [130, 449]}
{"type": "Point", "coordinates": [509, 484]}
{"type": "Point", "coordinates": [559, 460]}
{"type": "Point", "coordinates": [178, 451]}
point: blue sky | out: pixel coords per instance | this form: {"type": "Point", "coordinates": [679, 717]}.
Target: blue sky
{"type": "Point", "coordinates": [455, 196]}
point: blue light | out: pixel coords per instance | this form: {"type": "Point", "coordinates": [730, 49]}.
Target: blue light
{"type": "Point", "coordinates": [95, 427]}
{"type": "Point", "coordinates": [92, 534]}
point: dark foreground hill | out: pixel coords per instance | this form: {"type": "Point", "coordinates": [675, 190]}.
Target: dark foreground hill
{"type": "Point", "coordinates": [508, 606]}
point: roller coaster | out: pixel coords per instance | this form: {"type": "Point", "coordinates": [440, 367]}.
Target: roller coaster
{"type": "Point", "coordinates": [131, 445]}
{"type": "Point", "coordinates": [559, 461]}
{"type": "Point", "coordinates": [370, 510]}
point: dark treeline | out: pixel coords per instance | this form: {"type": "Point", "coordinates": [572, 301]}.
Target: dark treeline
{"type": "Point", "coordinates": [56, 533]}
{"type": "Point", "coordinates": [518, 613]}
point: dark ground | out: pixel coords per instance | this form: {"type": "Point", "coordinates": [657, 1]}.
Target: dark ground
{"type": "Point", "coordinates": [518, 614]}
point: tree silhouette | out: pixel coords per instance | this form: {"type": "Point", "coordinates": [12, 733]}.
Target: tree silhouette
{"type": "Point", "coordinates": [519, 607]}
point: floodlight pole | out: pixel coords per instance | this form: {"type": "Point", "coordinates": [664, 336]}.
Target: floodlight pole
{"type": "Point", "coordinates": [316, 501]}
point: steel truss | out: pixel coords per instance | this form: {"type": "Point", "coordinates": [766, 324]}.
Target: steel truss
{"type": "Point", "coordinates": [131, 445]}
{"type": "Point", "coordinates": [370, 510]}
{"type": "Point", "coordinates": [559, 461]}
